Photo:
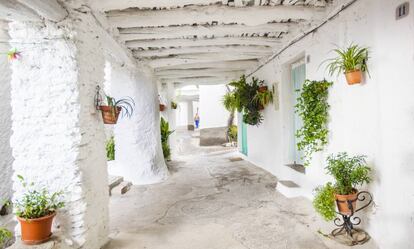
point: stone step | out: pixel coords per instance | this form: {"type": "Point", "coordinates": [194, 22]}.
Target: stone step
{"type": "Point", "coordinates": [114, 181]}
{"type": "Point", "coordinates": [297, 167]}
{"type": "Point", "coordinates": [122, 188]}
{"type": "Point", "coordinates": [291, 189]}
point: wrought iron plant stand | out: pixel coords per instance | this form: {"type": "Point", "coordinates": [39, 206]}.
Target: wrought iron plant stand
{"type": "Point", "coordinates": [346, 225]}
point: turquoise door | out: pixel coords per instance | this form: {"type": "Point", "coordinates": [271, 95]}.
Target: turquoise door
{"type": "Point", "coordinates": [298, 76]}
{"type": "Point", "coordinates": [242, 135]}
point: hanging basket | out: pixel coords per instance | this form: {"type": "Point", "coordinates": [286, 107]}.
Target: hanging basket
{"type": "Point", "coordinates": [353, 77]}
{"type": "Point", "coordinates": [162, 107]}
{"type": "Point", "coordinates": [110, 114]}
{"type": "Point", "coordinates": [262, 89]}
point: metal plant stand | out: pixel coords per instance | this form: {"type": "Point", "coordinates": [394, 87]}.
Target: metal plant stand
{"type": "Point", "coordinates": [354, 236]}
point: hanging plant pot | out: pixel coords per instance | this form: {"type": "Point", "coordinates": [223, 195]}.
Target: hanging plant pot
{"type": "Point", "coordinates": [354, 77]}
{"type": "Point", "coordinates": [343, 200]}
{"type": "Point", "coordinates": [36, 231]}
{"type": "Point", "coordinates": [162, 107]}
{"type": "Point", "coordinates": [110, 114]}
{"type": "Point", "coordinates": [261, 107]}
{"type": "Point", "coordinates": [262, 89]}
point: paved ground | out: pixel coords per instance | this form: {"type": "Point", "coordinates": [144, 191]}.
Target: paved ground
{"type": "Point", "coordinates": [210, 202]}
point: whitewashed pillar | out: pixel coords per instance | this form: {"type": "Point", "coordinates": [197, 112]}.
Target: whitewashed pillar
{"type": "Point", "coordinates": [138, 151]}
{"type": "Point", "coordinates": [190, 115]}
{"type": "Point", "coordinates": [5, 117]}
{"type": "Point", "coordinates": [58, 137]}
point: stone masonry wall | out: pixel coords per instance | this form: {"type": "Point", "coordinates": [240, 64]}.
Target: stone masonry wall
{"type": "Point", "coordinates": [138, 152]}
{"type": "Point", "coordinates": [58, 138]}
{"type": "Point", "coordinates": [5, 117]}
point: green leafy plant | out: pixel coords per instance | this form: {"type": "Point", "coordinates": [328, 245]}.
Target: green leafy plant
{"type": "Point", "coordinates": [349, 59]}
{"type": "Point", "coordinates": [241, 98]}
{"type": "Point", "coordinates": [263, 98]}
{"type": "Point", "coordinates": [5, 235]}
{"type": "Point", "coordinates": [232, 133]}
{"type": "Point", "coordinates": [127, 105]}
{"type": "Point", "coordinates": [324, 201]}
{"type": "Point", "coordinates": [165, 134]}
{"type": "Point", "coordinates": [36, 203]}
{"type": "Point", "coordinates": [349, 173]}
{"type": "Point", "coordinates": [174, 105]}
{"type": "Point", "coordinates": [110, 149]}
{"type": "Point", "coordinates": [312, 106]}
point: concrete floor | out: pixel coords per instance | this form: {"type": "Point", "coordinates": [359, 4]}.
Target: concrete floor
{"type": "Point", "coordinates": [210, 202]}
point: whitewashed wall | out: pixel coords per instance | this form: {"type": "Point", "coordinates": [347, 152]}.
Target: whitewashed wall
{"type": "Point", "coordinates": [211, 110]}
{"type": "Point", "coordinates": [375, 118]}
{"type": "Point", "coordinates": [138, 152]}
{"type": "Point", "coordinates": [5, 117]}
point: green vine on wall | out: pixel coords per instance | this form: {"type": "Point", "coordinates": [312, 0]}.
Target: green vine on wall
{"type": "Point", "coordinates": [312, 106]}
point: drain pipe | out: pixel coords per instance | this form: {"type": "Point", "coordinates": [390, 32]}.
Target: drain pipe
{"type": "Point", "coordinates": [331, 16]}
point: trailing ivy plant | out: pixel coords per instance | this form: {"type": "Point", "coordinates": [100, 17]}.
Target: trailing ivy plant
{"type": "Point", "coordinates": [312, 106]}
{"type": "Point", "coordinates": [110, 149]}
{"type": "Point", "coordinates": [324, 201]}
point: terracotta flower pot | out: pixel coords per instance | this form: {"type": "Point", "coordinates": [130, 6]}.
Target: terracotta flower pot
{"type": "Point", "coordinates": [109, 114]}
{"type": "Point", "coordinates": [261, 107]}
{"type": "Point", "coordinates": [162, 107]}
{"type": "Point", "coordinates": [262, 89]}
{"type": "Point", "coordinates": [343, 200]}
{"type": "Point", "coordinates": [354, 77]}
{"type": "Point", "coordinates": [36, 231]}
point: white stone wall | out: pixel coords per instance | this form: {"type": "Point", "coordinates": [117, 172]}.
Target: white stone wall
{"type": "Point", "coordinates": [138, 152]}
{"type": "Point", "coordinates": [211, 110]}
{"type": "Point", "coordinates": [58, 138]}
{"type": "Point", "coordinates": [5, 117]}
{"type": "Point", "coordinates": [375, 118]}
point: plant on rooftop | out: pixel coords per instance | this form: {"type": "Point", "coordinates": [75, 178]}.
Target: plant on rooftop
{"type": "Point", "coordinates": [349, 172]}
{"type": "Point", "coordinates": [243, 99]}
{"type": "Point", "coordinates": [312, 106]}
{"type": "Point", "coordinates": [165, 134]}
{"type": "Point", "coordinates": [113, 107]}
{"type": "Point", "coordinates": [35, 210]}
{"type": "Point", "coordinates": [110, 149]}
{"type": "Point", "coordinates": [351, 61]}
{"type": "Point", "coordinates": [5, 236]}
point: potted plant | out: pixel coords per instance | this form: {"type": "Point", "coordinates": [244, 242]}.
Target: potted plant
{"type": "Point", "coordinates": [165, 134]}
{"type": "Point", "coordinates": [349, 173]}
{"type": "Point", "coordinates": [174, 105]}
{"type": "Point", "coordinates": [113, 107]}
{"type": "Point", "coordinates": [262, 86]}
{"type": "Point", "coordinates": [35, 212]}
{"type": "Point", "coordinates": [5, 237]}
{"type": "Point", "coordinates": [351, 61]}
{"type": "Point", "coordinates": [110, 149]}
{"type": "Point", "coordinates": [263, 98]}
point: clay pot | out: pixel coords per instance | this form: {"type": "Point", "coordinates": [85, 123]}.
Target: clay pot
{"type": "Point", "coordinates": [36, 231]}
{"type": "Point", "coordinates": [343, 200]}
{"type": "Point", "coordinates": [262, 89]}
{"type": "Point", "coordinates": [261, 107]}
{"type": "Point", "coordinates": [354, 77]}
{"type": "Point", "coordinates": [110, 114]}
{"type": "Point", "coordinates": [162, 107]}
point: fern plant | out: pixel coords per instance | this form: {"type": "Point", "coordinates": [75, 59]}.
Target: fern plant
{"type": "Point", "coordinates": [349, 59]}
{"type": "Point", "coordinates": [312, 106]}
{"type": "Point", "coordinates": [263, 98]}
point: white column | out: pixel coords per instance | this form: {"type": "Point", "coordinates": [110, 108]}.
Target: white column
{"type": "Point", "coordinates": [138, 151]}
{"type": "Point", "coordinates": [58, 137]}
{"type": "Point", "coordinates": [5, 117]}
{"type": "Point", "coordinates": [190, 115]}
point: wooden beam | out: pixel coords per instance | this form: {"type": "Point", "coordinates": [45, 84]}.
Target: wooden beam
{"type": "Point", "coordinates": [197, 71]}
{"type": "Point", "coordinates": [107, 5]}
{"type": "Point", "coordinates": [261, 50]}
{"type": "Point", "coordinates": [201, 80]}
{"type": "Point", "coordinates": [182, 60]}
{"type": "Point", "coordinates": [235, 65]}
{"type": "Point", "coordinates": [13, 11]}
{"type": "Point", "coordinates": [222, 41]}
{"type": "Point", "coordinates": [49, 9]}
{"type": "Point", "coordinates": [268, 30]}
{"type": "Point", "coordinates": [250, 16]}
